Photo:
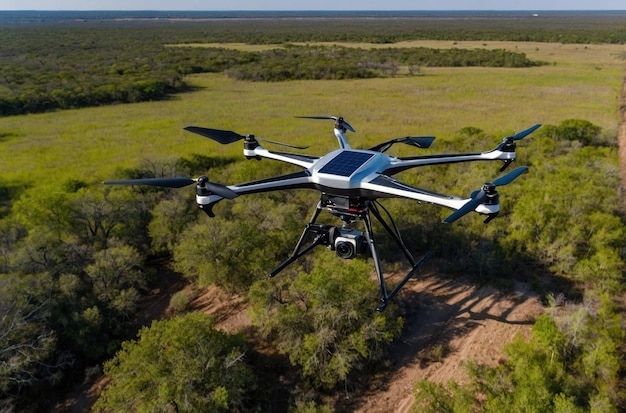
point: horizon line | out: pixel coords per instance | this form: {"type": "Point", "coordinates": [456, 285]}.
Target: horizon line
{"type": "Point", "coordinates": [316, 10]}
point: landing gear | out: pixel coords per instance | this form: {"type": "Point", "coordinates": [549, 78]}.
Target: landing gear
{"type": "Point", "coordinates": [330, 236]}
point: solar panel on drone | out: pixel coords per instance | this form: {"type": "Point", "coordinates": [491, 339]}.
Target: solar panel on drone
{"type": "Point", "coordinates": [346, 163]}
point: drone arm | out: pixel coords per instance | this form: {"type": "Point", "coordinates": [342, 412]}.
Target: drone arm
{"type": "Point", "coordinates": [301, 179]}
{"type": "Point", "coordinates": [402, 164]}
{"type": "Point", "coordinates": [386, 186]}
{"type": "Point", "coordinates": [341, 138]}
{"type": "Point", "coordinates": [505, 152]}
{"type": "Point", "coordinates": [302, 160]}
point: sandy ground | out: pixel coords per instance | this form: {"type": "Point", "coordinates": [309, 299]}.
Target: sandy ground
{"type": "Point", "coordinates": [452, 322]}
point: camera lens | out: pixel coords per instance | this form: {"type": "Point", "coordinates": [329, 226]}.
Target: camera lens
{"type": "Point", "coordinates": [345, 250]}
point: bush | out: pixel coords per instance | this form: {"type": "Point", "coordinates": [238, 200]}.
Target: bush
{"type": "Point", "coordinates": [182, 365]}
{"type": "Point", "coordinates": [325, 320]}
{"type": "Point", "coordinates": [579, 130]}
{"type": "Point", "coordinates": [180, 302]}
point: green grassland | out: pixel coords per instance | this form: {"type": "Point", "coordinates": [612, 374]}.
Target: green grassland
{"type": "Point", "coordinates": [90, 144]}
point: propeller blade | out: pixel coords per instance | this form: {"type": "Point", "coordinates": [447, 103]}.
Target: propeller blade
{"type": "Point", "coordinates": [222, 136]}
{"type": "Point", "coordinates": [510, 177]}
{"type": "Point", "coordinates": [282, 144]}
{"type": "Point", "coordinates": [317, 117]}
{"type": "Point", "coordinates": [417, 141]}
{"type": "Point", "coordinates": [160, 182]}
{"type": "Point", "coordinates": [221, 190]}
{"type": "Point", "coordinates": [178, 182]}
{"type": "Point", "coordinates": [477, 198]}
{"type": "Point", "coordinates": [524, 133]}
{"type": "Point", "coordinates": [480, 196]}
{"type": "Point", "coordinates": [225, 136]}
{"type": "Point", "coordinates": [420, 141]}
{"type": "Point", "coordinates": [339, 120]}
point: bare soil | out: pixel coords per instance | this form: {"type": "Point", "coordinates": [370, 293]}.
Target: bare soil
{"type": "Point", "coordinates": [448, 322]}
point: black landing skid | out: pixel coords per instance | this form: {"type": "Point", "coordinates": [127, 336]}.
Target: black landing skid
{"type": "Point", "coordinates": [326, 235]}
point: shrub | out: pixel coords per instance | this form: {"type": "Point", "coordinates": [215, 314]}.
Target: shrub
{"type": "Point", "coordinates": [579, 130]}
{"type": "Point", "coordinates": [180, 302]}
{"type": "Point", "coordinates": [182, 365]}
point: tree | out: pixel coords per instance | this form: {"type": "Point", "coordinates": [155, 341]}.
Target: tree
{"type": "Point", "coordinates": [179, 365]}
{"type": "Point", "coordinates": [239, 246]}
{"type": "Point", "coordinates": [579, 130]}
{"type": "Point", "coordinates": [115, 271]}
{"type": "Point", "coordinates": [325, 320]}
{"type": "Point", "coordinates": [26, 342]}
{"type": "Point", "coordinates": [169, 218]}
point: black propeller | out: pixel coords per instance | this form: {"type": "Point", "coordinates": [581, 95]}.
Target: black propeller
{"type": "Point", "coordinates": [178, 182]}
{"type": "Point", "coordinates": [524, 133]}
{"type": "Point", "coordinates": [508, 143]}
{"type": "Point", "coordinates": [340, 123]}
{"type": "Point", "coordinates": [225, 136]}
{"type": "Point", "coordinates": [417, 141]}
{"type": "Point", "coordinates": [487, 194]}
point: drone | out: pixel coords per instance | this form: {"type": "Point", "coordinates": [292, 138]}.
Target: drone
{"type": "Point", "coordinates": [350, 182]}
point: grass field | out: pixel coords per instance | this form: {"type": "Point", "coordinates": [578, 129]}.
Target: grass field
{"type": "Point", "coordinates": [582, 81]}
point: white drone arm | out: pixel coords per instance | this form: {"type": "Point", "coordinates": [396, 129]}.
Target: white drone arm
{"type": "Point", "coordinates": [305, 161]}
{"type": "Point", "coordinates": [387, 186]}
{"type": "Point", "coordinates": [341, 138]}
{"type": "Point", "coordinates": [400, 164]}
{"type": "Point", "coordinates": [504, 152]}
{"type": "Point", "coordinates": [301, 179]}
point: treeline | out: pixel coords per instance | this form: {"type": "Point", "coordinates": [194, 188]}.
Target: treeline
{"type": "Point", "coordinates": [78, 261]}
{"type": "Point", "coordinates": [46, 68]}
{"type": "Point", "coordinates": [336, 62]}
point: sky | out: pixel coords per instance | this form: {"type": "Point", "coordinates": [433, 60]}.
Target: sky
{"type": "Point", "coordinates": [311, 5]}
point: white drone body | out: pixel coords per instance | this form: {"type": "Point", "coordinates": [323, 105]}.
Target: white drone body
{"type": "Point", "coordinates": [350, 182]}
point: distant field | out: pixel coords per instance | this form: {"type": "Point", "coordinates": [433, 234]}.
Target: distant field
{"type": "Point", "coordinates": [90, 144]}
